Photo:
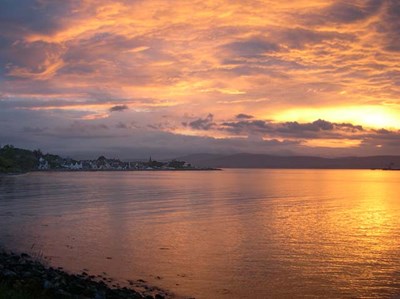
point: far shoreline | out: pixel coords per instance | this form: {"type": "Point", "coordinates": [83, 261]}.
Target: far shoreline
{"type": "Point", "coordinates": [6, 174]}
{"type": "Point", "coordinates": [105, 170]}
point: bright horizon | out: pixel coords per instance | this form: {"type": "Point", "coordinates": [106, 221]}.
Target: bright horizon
{"type": "Point", "coordinates": [168, 78]}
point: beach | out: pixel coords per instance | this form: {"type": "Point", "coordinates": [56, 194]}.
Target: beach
{"type": "Point", "coordinates": [25, 276]}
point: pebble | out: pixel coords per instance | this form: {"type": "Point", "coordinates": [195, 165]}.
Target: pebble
{"type": "Point", "coordinates": [23, 273]}
{"type": "Point", "coordinates": [47, 284]}
{"type": "Point", "coordinates": [8, 273]}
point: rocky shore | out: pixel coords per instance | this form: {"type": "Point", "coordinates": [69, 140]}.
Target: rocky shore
{"type": "Point", "coordinates": [21, 276]}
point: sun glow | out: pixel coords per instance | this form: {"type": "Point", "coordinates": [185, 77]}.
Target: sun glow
{"type": "Point", "coordinates": [333, 143]}
{"type": "Point", "coordinates": [376, 117]}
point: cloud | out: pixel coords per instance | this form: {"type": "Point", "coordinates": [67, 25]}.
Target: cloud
{"type": "Point", "coordinates": [318, 125]}
{"type": "Point", "coordinates": [243, 116]}
{"type": "Point", "coordinates": [118, 136]}
{"type": "Point", "coordinates": [299, 37]}
{"type": "Point", "coordinates": [389, 26]}
{"type": "Point", "coordinates": [36, 60]}
{"type": "Point", "coordinates": [247, 127]}
{"type": "Point", "coordinates": [34, 130]}
{"type": "Point", "coordinates": [316, 129]}
{"type": "Point", "coordinates": [251, 47]}
{"type": "Point", "coordinates": [77, 61]}
{"type": "Point", "coordinates": [27, 16]}
{"type": "Point", "coordinates": [202, 123]}
{"type": "Point", "coordinates": [342, 11]}
{"type": "Point", "coordinates": [118, 108]}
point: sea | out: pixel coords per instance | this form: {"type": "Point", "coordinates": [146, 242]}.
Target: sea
{"type": "Point", "coordinates": [234, 233]}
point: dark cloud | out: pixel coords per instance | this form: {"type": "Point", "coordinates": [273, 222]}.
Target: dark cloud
{"type": "Point", "coordinates": [346, 12]}
{"type": "Point", "coordinates": [316, 129]}
{"type": "Point", "coordinates": [20, 17]}
{"type": "Point", "coordinates": [243, 116]}
{"type": "Point", "coordinates": [34, 57]}
{"type": "Point", "coordinates": [251, 47]}
{"type": "Point", "coordinates": [121, 125]}
{"type": "Point", "coordinates": [298, 38]}
{"type": "Point", "coordinates": [350, 127]}
{"type": "Point", "coordinates": [202, 123]}
{"type": "Point", "coordinates": [389, 25]}
{"type": "Point", "coordinates": [253, 126]}
{"type": "Point", "coordinates": [119, 108]}
{"type": "Point", "coordinates": [318, 125]}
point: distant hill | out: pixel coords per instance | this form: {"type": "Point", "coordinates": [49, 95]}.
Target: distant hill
{"type": "Point", "coordinates": [272, 161]}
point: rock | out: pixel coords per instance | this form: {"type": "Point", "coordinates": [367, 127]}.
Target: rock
{"type": "Point", "coordinates": [100, 295]}
{"type": "Point", "coordinates": [63, 293]}
{"type": "Point", "coordinates": [26, 274]}
{"type": "Point", "coordinates": [9, 273]}
{"type": "Point", "coordinates": [76, 288]}
{"type": "Point", "coordinates": [47, 284]}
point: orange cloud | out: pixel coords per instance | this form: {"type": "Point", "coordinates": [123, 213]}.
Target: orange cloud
{"type": "Point", "coordinates": [275, 60]}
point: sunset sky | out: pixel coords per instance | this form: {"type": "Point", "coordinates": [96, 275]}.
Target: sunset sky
{"type": "Point", "coordinates": [130, 78]}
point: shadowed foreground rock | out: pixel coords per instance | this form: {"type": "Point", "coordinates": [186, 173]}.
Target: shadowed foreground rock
{"type": "Point", "coordinates": [21, 273]}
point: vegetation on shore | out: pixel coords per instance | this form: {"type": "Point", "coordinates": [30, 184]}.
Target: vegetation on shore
{"type": "Point", "coordinates": [16, 160]}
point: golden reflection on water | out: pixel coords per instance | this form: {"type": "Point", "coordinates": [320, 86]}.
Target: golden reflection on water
{"type": "Point", "coordinates": [349, 238]}
{"type": "Point", "coordinates": [229, 234]}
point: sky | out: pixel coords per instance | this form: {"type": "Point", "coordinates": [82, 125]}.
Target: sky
{"type": "Point", "coordinates": [133, 78]}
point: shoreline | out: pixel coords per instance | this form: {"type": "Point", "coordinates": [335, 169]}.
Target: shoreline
{"type": "Point", "coordinates": [23, 276]}
{"type": "Point", "coordinates": [108, 170]}
{"type": "Point", "coordinates": [126, 170]}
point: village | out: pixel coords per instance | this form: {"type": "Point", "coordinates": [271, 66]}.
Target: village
{"type": "Point", "coordinates": [19, 160]}
{"type": "Point", "coordinates": [102, 163]}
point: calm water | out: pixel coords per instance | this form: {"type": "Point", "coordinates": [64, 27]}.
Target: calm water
{"type": "Point", "coordinates": [227, 234]}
